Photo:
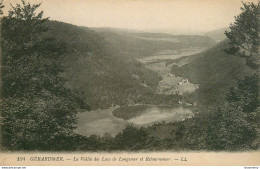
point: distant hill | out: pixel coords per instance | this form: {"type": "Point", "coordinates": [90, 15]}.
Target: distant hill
{"type": "Point", "coordinates": [141, 44]}
{"type": "Point", "coordinates": [218, 34]}
{"type": "Point", "coordinates": [214, 71]}
{"type": "Point", "coordinates": [111, 29]}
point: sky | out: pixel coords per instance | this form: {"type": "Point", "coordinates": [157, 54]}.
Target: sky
{"type": "Point", "coordinates": [176, 16]}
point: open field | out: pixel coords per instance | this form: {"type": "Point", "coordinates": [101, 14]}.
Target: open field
{"type": "Point", "coordinates": [170, 83]}
{"type": "Point", "coordinates": [171, 54]}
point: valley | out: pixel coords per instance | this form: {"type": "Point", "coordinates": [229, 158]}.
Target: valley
{"type": "Point", "coordinates": [113, 69]}
{"type": "Point", "coordinates": [113, 120]}
{"type": "Point", "coordinates": [170, 83]}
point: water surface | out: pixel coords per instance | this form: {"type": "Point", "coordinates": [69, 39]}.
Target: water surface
{"type": "Point", "coordinates": [100, 122]}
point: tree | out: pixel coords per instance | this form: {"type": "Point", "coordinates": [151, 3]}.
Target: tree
{"type": "Point", "coordinates": [1, 7]}
{"type": "Point", "coordinates": [246, 93]}
{"type": "Point", "coordinates": [131, 138]}
{"type": "Point", "coordinates": [244, 34]}
{"type": "Point", "coordinates": [235, 126]}
{"type": "Point", "coordinates": [1, 13]}
{"type": "Point", "coordinates": [231, 129]}
{"type": "Point", "coordinates": [37, 110]}
{"type": "Point", "coordinates": [21, 31]}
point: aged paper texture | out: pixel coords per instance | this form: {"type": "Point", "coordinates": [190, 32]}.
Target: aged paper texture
{"type": "Point", "coordinates": [129, 83]}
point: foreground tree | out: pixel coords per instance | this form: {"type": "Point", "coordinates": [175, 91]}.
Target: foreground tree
{"type": "Point", "coordinates": [244, 34]}
{"type": "Point", "coordinates": [38, 112]}
{"type": "Point", "coordinates": [235, 125]}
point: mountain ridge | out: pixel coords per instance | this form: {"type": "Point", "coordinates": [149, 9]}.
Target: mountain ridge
{"type": "Point", "coordinates": [217, 34]}
{"type": "Point", "coordinates": [142, 44]}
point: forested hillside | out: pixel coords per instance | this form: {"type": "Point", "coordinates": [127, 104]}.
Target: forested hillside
{"type": "Point", "coordinates": [218, 34]}
{"type": "Point", "coordinates": [215, 71]}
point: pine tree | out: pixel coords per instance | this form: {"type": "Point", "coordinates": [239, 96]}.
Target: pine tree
{"type": "Point", "coordinates": [244, 34]}
{"type": "Point", "coordinates": [235, 125]}
{"type": "Point", "coordinates": [38, 112]}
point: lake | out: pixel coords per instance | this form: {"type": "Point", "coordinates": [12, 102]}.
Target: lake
{"type": "Point", "coordinates": [114, 120]}
{"type": "Point", "coordinates": [145, 115]}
